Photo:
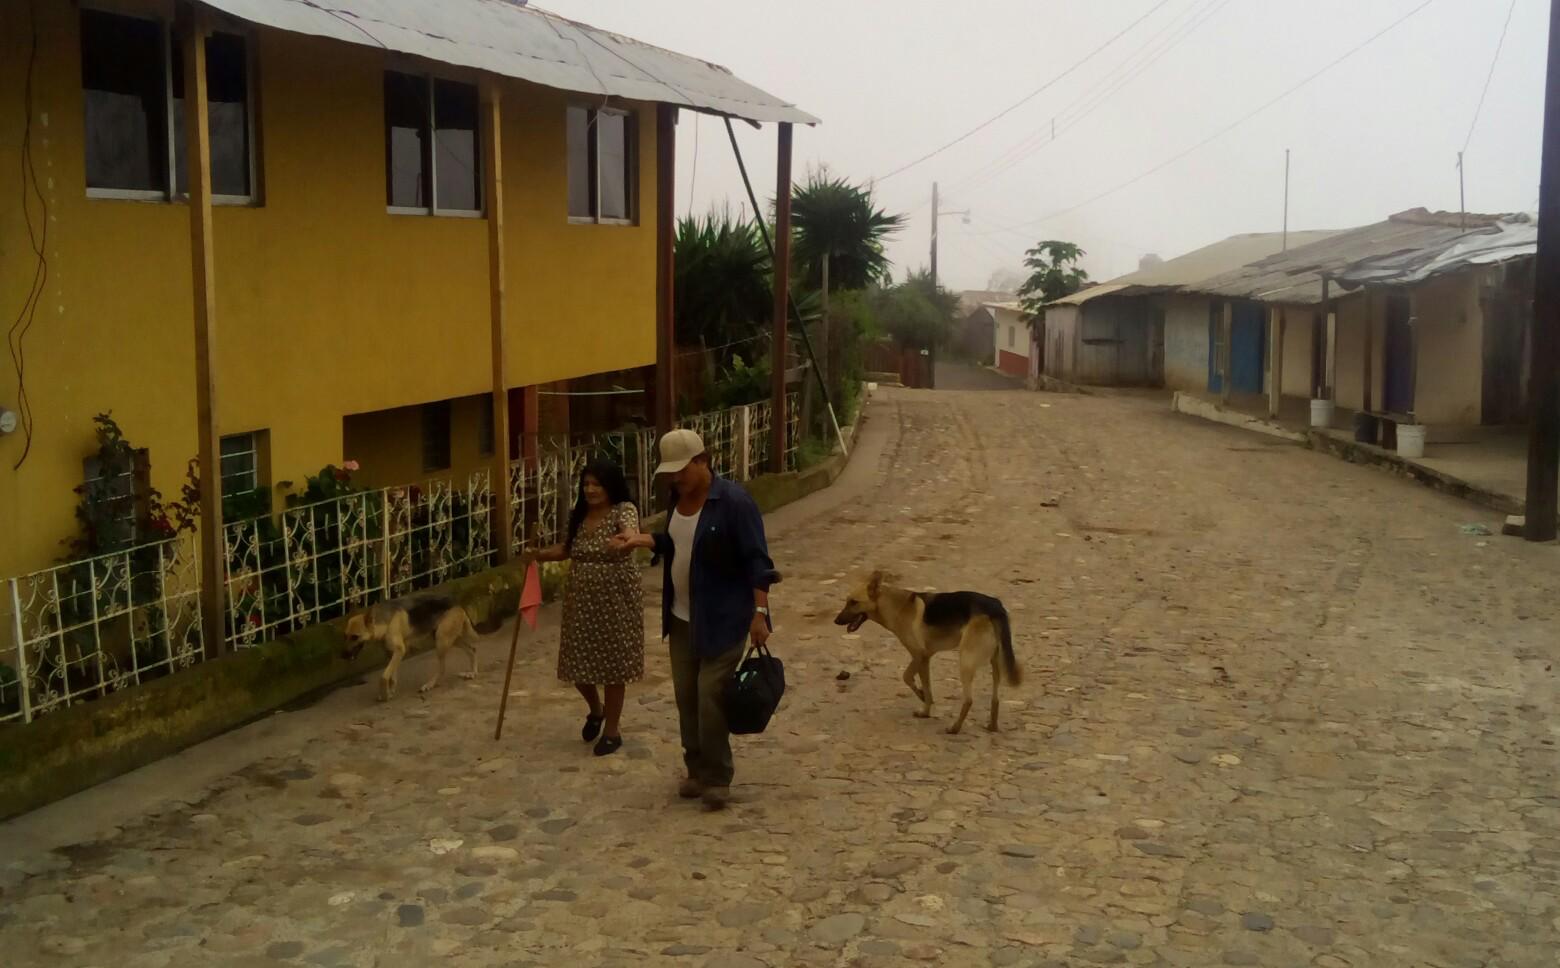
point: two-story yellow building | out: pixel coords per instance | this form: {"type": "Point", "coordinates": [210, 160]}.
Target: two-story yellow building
{"type": "Point", "coordinates": [362, 282]}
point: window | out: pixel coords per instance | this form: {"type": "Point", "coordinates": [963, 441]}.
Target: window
{"type": "Point", "coordinates": [132, 78]}
{"type": "Point", "coordinates": [1012, 335]}
{"type": "Point", "coordinates": [240, 465]}
{"type": "Point", "coordinates": [432, 149]}
{"type": "Point", "coordinates": [436, 436]}
{"type": "Point", "coordinates": [121, 495]}
{"type": "Point", "coordinates": [601, 165]}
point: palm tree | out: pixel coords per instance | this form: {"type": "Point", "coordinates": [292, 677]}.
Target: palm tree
{"type": "Point", "coordinates": [837, 236]}
{"type": "Point", "coordinates": [722, 280]}
{"type": "Point", "coordinates": [837, 228]}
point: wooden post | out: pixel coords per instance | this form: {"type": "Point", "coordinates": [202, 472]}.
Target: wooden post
{"type": "Point", "coordinates": [1275, 362]}
{"type": "Point", "coordinates": [665, 267]}
{"type": "Point", "coordinates": [1329, 344]}
{"type": "Point", "coordinates": [1543, 463]}
{"type": "Point", "coordinates": [1370, 350]}
{"type": "Point", "coordinates": [1226, 367]}
{"type": "Point", "coordinates": [782, 285]}
{"type": "Point", "coordinates": [493, 192]}
{"type": "Point", "coordinates": [197, 129]}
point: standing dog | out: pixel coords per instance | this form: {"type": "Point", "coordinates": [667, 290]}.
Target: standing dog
{"type": "Point", "coordinates": [393, 623]}
{"type": "Point", "coordinates": [926, 623]}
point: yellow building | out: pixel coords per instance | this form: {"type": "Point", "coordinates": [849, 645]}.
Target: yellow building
{"type": "Point", "coordinates": [352, 283]}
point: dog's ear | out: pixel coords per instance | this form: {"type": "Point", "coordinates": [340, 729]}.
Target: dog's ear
{"type": "Point", "coordinates": [874, 582]}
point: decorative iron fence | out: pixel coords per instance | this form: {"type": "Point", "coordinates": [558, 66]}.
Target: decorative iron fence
{"type": "Point", "coordinates": [84, 629]}
{"type": "Point", "coordinates": [81, 630]}
{"type": "Point", "coordinates": [315, 562]}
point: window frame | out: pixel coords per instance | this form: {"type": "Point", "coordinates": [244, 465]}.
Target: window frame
{"type": "Point", "coordinates": [169, 193]}
{"type": "Point", "coordinates": [253, 453]}
{"type": "Point", "coordinates": [593, 164]}
{"type": "Point", "coordinates": [432, 209]}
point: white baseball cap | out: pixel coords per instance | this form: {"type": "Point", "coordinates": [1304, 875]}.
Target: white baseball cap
{"type": "Point", "coordinates": [678, 449]}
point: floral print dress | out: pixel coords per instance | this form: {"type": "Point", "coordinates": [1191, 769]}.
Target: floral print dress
{"type": "Point", "coordinates": [603, 640]}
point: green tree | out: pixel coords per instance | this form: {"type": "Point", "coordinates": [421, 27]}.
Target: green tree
{"type": "Point", "coordinates": [916, 313]}
{"type": "Point", "coordinates": [1053, 273]}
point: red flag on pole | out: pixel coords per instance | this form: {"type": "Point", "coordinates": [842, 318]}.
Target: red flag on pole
{"type": "Point", "coordinates": [531, 595]}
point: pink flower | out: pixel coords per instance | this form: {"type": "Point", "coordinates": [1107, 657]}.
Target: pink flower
{"type": "Point", "coordinates": [349, 466]}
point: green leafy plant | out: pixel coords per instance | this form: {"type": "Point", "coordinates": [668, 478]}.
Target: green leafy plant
{"type": "Point", "coordinates": [1054, 272]}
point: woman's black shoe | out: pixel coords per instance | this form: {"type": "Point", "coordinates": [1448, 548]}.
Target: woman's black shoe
{"type": "Point", "coordinates": [609, 745]}
{"type": "Point", "coordinates": [592, 727]}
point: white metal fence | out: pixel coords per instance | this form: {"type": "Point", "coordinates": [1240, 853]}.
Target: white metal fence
{"type": "Point", "coordinates": [81, 630]}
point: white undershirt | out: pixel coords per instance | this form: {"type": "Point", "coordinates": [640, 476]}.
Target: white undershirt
{"type": "Point", "coordinates": [682, 529]}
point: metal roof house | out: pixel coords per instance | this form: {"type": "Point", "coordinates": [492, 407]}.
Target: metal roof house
{"type": "Point", "coordinates": [1421, 317]}
{"type": "Point", "coordinates": [1135, 330]}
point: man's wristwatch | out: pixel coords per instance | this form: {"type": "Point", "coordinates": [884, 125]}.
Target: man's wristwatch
{"type": "Point", "coordinates": [762, 610]}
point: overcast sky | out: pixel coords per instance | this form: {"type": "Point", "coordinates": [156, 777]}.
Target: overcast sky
{"type": "Point", "coordinates": [895, 79]}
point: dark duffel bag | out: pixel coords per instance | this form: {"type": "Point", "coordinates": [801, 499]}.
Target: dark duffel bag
{"type": "Point", "coordinates": [753, 692]}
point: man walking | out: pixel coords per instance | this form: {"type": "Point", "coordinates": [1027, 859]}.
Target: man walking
{"type": "Point", "coordinates": [716, 574]}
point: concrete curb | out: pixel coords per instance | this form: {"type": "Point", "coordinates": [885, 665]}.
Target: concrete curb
{"type": "Point", "coordinates": [81, 746]}
{"type": "Point", "coordinates": [1358, 453]}
{"type": "Point", "coordinates": [1197, 407]}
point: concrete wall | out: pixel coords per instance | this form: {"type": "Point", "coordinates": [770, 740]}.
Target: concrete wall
{"type": "Point", "coordinates": [1011, 333]}
{"type": "Point", "coordinates": [327, 305]}
{"type": "Point", "coordinates": [1449, 327]}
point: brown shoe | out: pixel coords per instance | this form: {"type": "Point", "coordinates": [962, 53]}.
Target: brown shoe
{"type": "Point", "coordinates": [690, 788]}
{"type": "Point", "coordinates": [716, 798]}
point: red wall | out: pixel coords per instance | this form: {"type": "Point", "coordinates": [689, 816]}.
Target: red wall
{"type": "Point", "coordinates": [1012, 364]}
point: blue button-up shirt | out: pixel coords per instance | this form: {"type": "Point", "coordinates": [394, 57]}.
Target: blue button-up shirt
{"type": "Point", "coordinates": [730, 560]}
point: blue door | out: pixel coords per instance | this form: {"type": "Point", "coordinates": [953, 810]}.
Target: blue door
{"type": "Point", "coordinates": [1248, 339]}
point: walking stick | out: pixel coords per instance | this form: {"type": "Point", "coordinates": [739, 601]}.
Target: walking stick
{"type": "Point", "coordinates": [514, 646]}
{"type": "Point", "coordinates": [514, 640]}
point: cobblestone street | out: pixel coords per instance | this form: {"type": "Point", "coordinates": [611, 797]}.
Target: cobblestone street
{"type": "Point", "coordinates": [1278, 710]}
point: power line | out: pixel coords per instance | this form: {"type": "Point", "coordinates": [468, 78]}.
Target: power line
{"type": "Point", "coordinates": [1178, 30]}
{"type": "Point", "coordinates": [1027, 97]}
{"type": "Point", "coordinates": [1233, 125]}
{"type": "Point", "coordinates": [1491, 75]}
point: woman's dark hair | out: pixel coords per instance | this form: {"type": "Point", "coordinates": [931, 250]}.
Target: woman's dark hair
{"type": "Point", "coordinates": [610, 477]}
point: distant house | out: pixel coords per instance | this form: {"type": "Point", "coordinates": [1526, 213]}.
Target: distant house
{"type": "Point", "coordinates": [976, 335]}
{"type": "Point", "coordinates": [1138, 329]}
{"type": "Point", "coordinates": [1422, 317]}
{"type": "Point", "coordinates": [1010, 331]}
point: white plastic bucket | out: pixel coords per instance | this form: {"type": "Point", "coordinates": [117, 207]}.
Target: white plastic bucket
{"type": "Point", "coordinates": [1321, 413]}
{"type": "Point", "coordinates": [1411, 440]}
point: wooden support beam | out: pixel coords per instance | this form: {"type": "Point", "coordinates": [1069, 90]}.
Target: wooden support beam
{"type": "Point", "coordinates": [1370, 351]}
{"type": "Point", "coordinates": [1329, 344]}
{"type": "Point", "coordinates": [197, 130]}
{"type": "Point", "coordinates": [1543, 463]}
{"type": "Point", "coordinates": [665, 267]}
{"type": "Point", "coordinates": [782, 285]}
{"type": "Point", "coordinates": [1226, 367]}
{"type": "Point", "coordinates": [493, 199]}
{"type": "Point", "coordinates": [1275, 361]}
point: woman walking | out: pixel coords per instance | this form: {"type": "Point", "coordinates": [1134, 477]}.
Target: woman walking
{"type": "Point", "coordinates": [603, 640]}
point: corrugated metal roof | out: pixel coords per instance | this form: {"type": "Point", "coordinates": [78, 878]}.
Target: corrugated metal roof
{"type": "Point", "coordinates": [1231, 253]}
{"type": "Point", "coordinates": [1516, 239]}
{"type": "Point", "coordinates": [1295, 277]}
{"type": "Point", "coordinates": [523, 42]}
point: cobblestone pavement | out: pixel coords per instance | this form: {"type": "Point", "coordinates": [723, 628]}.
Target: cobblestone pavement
{"type": "Point", "coordinates": [1279, 710]}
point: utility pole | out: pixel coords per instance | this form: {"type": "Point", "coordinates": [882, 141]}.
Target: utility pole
{"type": "Point", "coordinates": [1286, 200]}
{"type": "Point", "coordinates": [1462, 195]}
{"type": "Point", "coordinates": [931, 374]}
{"type": "Point", "coordinates": [1543, 466]}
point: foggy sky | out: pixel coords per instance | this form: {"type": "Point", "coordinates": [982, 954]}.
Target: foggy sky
{"type": "Point", "coordinates": [894, 79]}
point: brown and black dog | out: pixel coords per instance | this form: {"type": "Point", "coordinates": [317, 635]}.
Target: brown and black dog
{"type": "Point", "coordinates": [930, 622]}
{"type": "Point", "coordinates": [394, 623]}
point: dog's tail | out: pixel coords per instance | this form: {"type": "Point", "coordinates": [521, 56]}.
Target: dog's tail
{"type": "Point", "coordinates": [1010, 667]}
